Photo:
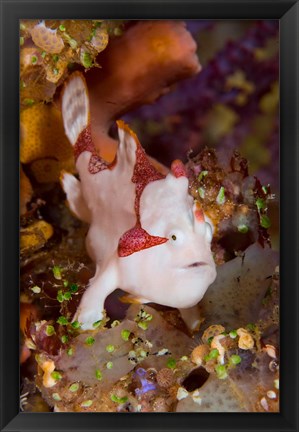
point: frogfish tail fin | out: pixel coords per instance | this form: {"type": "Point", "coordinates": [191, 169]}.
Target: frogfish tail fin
{"type": "Point", "coordinates": [75, 106]}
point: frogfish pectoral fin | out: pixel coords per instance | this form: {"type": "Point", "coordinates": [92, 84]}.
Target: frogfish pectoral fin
{"type": "Point", "coordinates": [76, 202]}
{"type": "Point", "coordinates": [137, 239]}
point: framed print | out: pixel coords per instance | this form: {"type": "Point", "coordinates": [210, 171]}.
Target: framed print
{"type": "Point", "coordinates": [149, 215]}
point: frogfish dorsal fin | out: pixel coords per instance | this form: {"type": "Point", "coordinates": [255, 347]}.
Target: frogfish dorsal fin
{"type": "Point", "coordinates": [76, 120]}
{"type": "Point", "coordinates": [75, 107]}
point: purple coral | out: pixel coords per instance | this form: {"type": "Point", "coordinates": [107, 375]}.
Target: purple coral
{"type": "Point", "coordinates": [178, 122]}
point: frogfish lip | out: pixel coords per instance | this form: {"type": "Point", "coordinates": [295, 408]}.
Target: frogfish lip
{"type": "Point", "coordinates": [197, 264]}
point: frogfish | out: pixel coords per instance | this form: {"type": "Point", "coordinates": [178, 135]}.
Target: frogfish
{"type": "Point", "coordinates": [147, 235]}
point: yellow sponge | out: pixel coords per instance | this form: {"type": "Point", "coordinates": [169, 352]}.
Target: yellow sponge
{"type": "Point", "coordinates": [43, 137]}
{"type": "Point", "coordinates": [35, 236]}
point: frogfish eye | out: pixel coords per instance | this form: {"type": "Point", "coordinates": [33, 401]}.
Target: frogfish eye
{"type": "Point", "coordinates": [176, 237]}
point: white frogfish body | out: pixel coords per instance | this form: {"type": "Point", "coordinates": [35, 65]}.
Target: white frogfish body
{"type": "Point", "coordinates": [147, 236]}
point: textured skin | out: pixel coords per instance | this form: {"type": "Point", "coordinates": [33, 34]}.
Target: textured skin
{"type": "Point", "coordinates": [145, 234]}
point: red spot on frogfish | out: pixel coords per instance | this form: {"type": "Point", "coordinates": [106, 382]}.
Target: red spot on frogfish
{"type": "Point", "coordinates": [198, 213]}
{"type": "Point", "coordinates": [137, 239]}
{"type": "Point", "coordinates": [178, 169]}
{"type": "Point", "coordinates": [85, 143]}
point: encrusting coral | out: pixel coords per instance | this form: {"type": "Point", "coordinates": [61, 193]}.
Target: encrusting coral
{"type": "Point", "coordinates": [51, 48]}
{"type": "Point", "coordinates": [46, 38]}
{"type": "Point", "coordinates": [236, 202]}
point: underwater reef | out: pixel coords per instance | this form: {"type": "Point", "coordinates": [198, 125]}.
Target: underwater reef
{"type": "Point", "coordinates": [202, 92]}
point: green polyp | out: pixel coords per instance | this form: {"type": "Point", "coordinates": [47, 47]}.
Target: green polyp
{"type": "Point", "coordinates": [64, 339]}
{"type": "Point", "coordinates": [119, 400]}
{"type": "Point", "coordinates": [74, 288]}
{"type": "Point", "coordinates": [62, 320]}
{"type": "Point", "coordinates": [56, 375]}
{"type": "Point", "coordinates": [109, 365]}
{"type": "Point", "coordinates": [143, 325]}
{"type": "Point", "coordinates": [214, 353]}
{"type": "Point", "coordinates": [265, 221]}
{"type": "Point", "coordinates": [99, 375]}
{"type": "Point", "coordinates": [86, 60]}
{"type": "Point", "coordinates": [171, 363]}
{"type": "Point", "coordinates": [36, 289]}
{"type": "Point", "coordinates": [60, 297]}
{"type": "Point", "coordinates": [74, 387]}
{"type": "Point", "coordinates": [242, 228]}
{"type": "Point", "coordinates": [210, 339]}
{"type": "Point", "coordinates": [57, 272]}
{"type": "Point", "coordinates": [125, 334]}
{"type": "Point", "coordinates": [97, 324]}
{"type": "Point", "coordinates": [260, 203]}
{"type": "Point", "coordinates": [76, 324]}
{"type": "Point", "coordinates": [50, 330]}
{"type": "Point", "coordinates": [221, 371]}
{"type": "Point", "coordinates": [202, 174]}
{"type": "Point", "coordinates": [221, 196]}
{"type": "Point", "coordinates": [56, 397]}
{"type": "Point", "coordinates": [72, 42]}
{"type": "Point", "coordinates": [235, 359]}
{"type": "Point", "coordinates": [89, 341]}
{"type": "Point", "coordinates": [67, 295]}
{"type": "Point", "coordinates": [201, 192]}
{"type": "Point", "coordinates": [87, 403]}
{"type": "Point", "coordinates": [92, 34]}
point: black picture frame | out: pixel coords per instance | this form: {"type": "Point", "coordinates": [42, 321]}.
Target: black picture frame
{"type": "Point", "coordinates": [287, 11]}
